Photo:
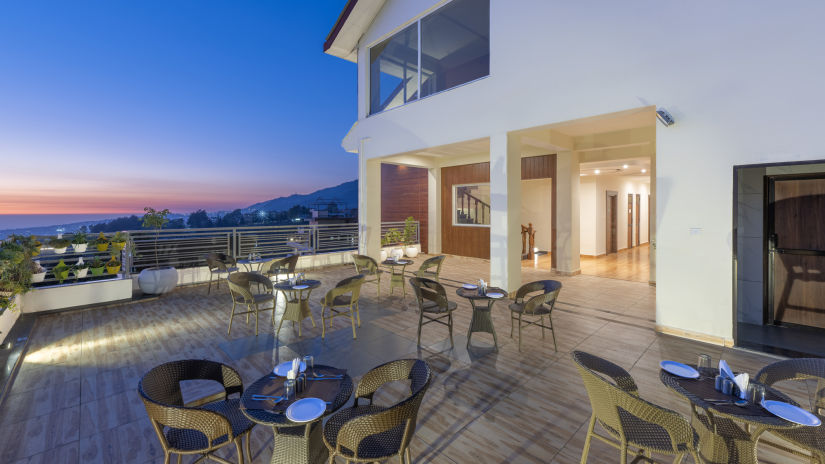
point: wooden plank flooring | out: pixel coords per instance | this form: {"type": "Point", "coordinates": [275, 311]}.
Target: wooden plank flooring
{"type": "Point", "coordinates": [628, 264]}
{"type": "Point", "coordinates": [74, 399]}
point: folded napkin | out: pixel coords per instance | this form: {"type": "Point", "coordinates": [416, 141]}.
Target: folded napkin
{"type": "Point", "coordinates": [742, 381]}
{"type": "Point", "coordinates": [724, 370]}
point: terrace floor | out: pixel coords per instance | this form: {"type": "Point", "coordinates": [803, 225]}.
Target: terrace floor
{"type": "Point", "coordinates": [74, 398]}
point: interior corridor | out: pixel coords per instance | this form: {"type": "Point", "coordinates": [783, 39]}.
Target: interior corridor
{"type": "Point", "coordinates": [631, 264]}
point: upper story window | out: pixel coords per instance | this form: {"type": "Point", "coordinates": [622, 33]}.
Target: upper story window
{"type": "Point", "coordinates": [446, 48]}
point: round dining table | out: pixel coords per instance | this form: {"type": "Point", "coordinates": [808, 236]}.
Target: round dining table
{"type": "Point", "coordinates": [728, 433]}
{"type": "Point", "coordinates": [297, 442]}
{"type": "Point", "coordinates": [397, 268]}
{"type": "Point", "coordinates": [482, 304]}
{"type": "Point", "coordinates": [254, 264]}
{"type": "Point", "coordinates": [297, 301]}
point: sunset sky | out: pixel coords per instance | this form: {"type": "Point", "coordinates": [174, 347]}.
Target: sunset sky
{"type": "Point", "coordinates": [109, 106]}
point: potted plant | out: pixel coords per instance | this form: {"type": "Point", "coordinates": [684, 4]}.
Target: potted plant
{"type": "Point", "coordinates": [59, 245]}
{"type": "Point", "coordinates": [15, 271]}
{"type": "Point", "coordinates": [101, 242]}
{"type": "Point", "coordinates": [61, 271]}
{"type": "Point", "coordinates": [409, 238]}
{"type": "Point", "coordinates": [113, 265]}
{"type": "Point", "coordinates": [97, 266]}
{"type": "Point", "coordinates": [157, 280]}
{"type": "Point", "coordinates": [79, 242]}
{"type": "Point", "coordinates": [38, 272]}
{"type": "Point", "coordinates": [80, 269]}
{"type": "Point", "coordinates": [36, 245]}
{"type": "Point", "coordinates": [393, 239]}
{"type": "Point", "coordinates": [118, 241]}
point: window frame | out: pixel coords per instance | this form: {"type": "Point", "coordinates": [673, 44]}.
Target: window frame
{"type": "Point", "coordinates": [455, 206]}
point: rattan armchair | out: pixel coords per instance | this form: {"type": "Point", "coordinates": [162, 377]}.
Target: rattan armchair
{"type": "Point", "coordinates": [629, 419]}
{"type": "Point", "coordinates": [187, 430]}
{"type": "Point", "coordinates": [432, 304]}
{"type": "Point", "coordinates": [369, 433]}
{"type": "Point", "coordinates": [279, 267]}
{"type": "Point", "coordinates": [810, 439]}
{"type": "Point", "coordinates": [219, 264]}
{"type": "Point", "coordinates": [540, 304]}
{"type": "Point", "coordinates": [240, 287]}
{"type": "Point", "coordinates": [426, 269]}
{"type": "Point", "coordinates": [342, 301]}
{"type": "Point", "coordinates": [367, 267]}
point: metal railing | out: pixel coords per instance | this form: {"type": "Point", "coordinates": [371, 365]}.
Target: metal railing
{"type": "Point", "coordinates": [48, 259]}
{"type": "Point", "coordinates": [184, 248]}
{"type": "Point", "coordinates": [399, 225]}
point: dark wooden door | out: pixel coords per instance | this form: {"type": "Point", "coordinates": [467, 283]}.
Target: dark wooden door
{"type": "Point", "coordinates": [611, 234]}
{"type": "Point", "coordinates": [638, 219]}
{"type": "Point", "coordinates": [630, 220]}
{"type": "Point", "coordinates": [796, 250]}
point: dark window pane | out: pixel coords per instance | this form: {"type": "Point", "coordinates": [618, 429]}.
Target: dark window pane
{"type": "Point", "coordinates": [471, 204]}
{"type": "Point", "coordinates": [455, 45]}
{"type": "Point", "coordinates": [394, 70]}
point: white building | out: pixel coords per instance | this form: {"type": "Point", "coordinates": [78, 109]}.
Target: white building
{"type": "Point", "coordinates": [455, 84]}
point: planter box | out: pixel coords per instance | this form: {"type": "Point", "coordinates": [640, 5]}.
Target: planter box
{"type": "Point", "coordinates": [72, 295]}
{"type": "Point", "coordinates": [8, 318]}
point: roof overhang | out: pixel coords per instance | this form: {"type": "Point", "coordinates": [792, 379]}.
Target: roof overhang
{"type": "Point", "coordinates": [352, 23]}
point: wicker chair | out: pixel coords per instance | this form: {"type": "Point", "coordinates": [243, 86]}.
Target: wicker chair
{"type": "Point", "coordinates": [432, 304]}
{"type": "Point", "coordinates": [426, 268]}
{"type": "Point", "coordinates": [341, 304]}
{"type": "Point", "coordinates": [628, 419]}
{"type": "Point", "coordinates": [240, 287]}
{"type": "Point", "coordinates": [538, 305]}
{"type": "Point", "coordinates": [811, 439]}
{"type": "Point", "coordinates": [367, 267]}
{"type": "Point", "coordinates": [279, 267]}
{"type": "Point", "coordinates": [219, 264]}
{"type": "Point", "coordinates": [184, 429]}
{"type": "Point", "coordinates": [368, 433]}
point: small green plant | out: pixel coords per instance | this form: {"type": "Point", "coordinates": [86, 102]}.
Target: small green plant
{"type": "Point", "coordinates": [97, 263]}
{"type": "Point", "coordinates": [80, 265]}
{"type": "Point", "coordinates": [101, 240]}
{"type": "Point", "coordinates": [61, 271]}
{"type": "Point", "coordinates": [409, 231]}
{"type": "Point", "coordinates": [59, 243]}
{"type": "Point", "coordinates": [118, 237]}
{"type": "Point", "coordinates": [79, 238]}
{"type": "Point", "coordinates": [154, 219]}
{"type": "Point", "coordinates": [113, 261]}
{"type": "Point", "coordinates": [393, 237]}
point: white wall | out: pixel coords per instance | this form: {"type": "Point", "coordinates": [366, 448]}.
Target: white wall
{"type": "Point", "coordinates": [742, 79]}
{"type": "Point", "coordinates": [589, 222]}
{"type": "Point", "coordinates": [536, 208]}
{"type": "Point", "coordinates": [593, 210]}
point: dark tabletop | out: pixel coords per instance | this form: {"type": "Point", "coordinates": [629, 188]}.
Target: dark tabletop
{"type": "Point", "coordinates": [473, 294]}
{"type": "Point", "coordinates": [698, 391]}
{"type": "Point", "coordinates": [400, 262]}
{"type": "Point", "coordinates": [286, 286]}
{"type": "Point", "coordinates": [268, 413]}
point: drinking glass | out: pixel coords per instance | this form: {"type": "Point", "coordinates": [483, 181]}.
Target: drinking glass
{"type": "Point", "coordinates": [310, 363]}
{"type": "Point", "coordinates": [289, 388]}
{"type": "Point", "coordinates": [703, 364]}
{"type": "Point", "coordinates": [718, 380]}
{"type": "Point", "coordinates": [756, 393]}
{"type": "Point", "coordinates": [727, 386]}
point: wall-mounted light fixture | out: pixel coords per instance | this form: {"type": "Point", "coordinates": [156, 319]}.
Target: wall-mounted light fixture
{"type": "Point", "coordinates": [665, 117]}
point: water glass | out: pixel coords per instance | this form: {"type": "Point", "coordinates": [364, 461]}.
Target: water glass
{"type": "Point", "coordinates": [717, 382]}
{"type": "Point", "coordinates": [756, 393]}
{"type": "Point", "coordinates": [310, 363]}
{"type": "Point", "coordinates": [289, 388]}
{"type": "Point", "coordinates": [703, 364]}
{"type": "Point", "coordinates": [727, 386]}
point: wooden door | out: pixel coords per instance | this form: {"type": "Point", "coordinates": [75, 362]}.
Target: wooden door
{"type": "Point", "coordinates": [611, 220]}
{"type": "Point", "coordinates": [630, 220]}
{"type": "Point", "coordinates": [796, 250]}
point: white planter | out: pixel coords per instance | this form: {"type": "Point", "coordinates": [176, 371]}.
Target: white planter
{"type": "Point", "coordinates": [60, 251]}
{"type": "Point", "coordinates": [79, 247]}
{"type": "Point", "coordinates": [383, 256]}
{"type": "Point", "coordinates": [38, 277]}
{"type": "Point", "coordinates": [411, 251]}
{"type": "Point", "coordinates": [81, 273]}
{"type": "Point", "coordinates": [156, 281]}
{"type": "Point", "coordinates": [397, 253]}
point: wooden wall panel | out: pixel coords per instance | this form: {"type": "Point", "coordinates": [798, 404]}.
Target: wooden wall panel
{"type": "Point", "coordinates": [403, 194]}
{"type": "Point", "coordinates": [538, 167]}
{"type": "Point", "coordinates": [462, 240]}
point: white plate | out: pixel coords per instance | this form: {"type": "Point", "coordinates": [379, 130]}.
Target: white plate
{"type": "Point", "coordinates": [495, 295]}
{"type": "Point", "coordinates": [300, 287]}
{"type": "Point", "coordinates": [791, 413]}
{"type": "Point", "coordinates": [677, 368]}
{"type": "Point", "coordinates": [724, 369]}
{"type": "Point", "coordinates": [306, 409]}
{"type": "Point", "coordinates": [281, 369]}
{"type": "Point", "coordinates": [470, 286]}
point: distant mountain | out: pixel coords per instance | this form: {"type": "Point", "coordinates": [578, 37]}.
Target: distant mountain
{"type": "Point", "coordinates": [346, 192]}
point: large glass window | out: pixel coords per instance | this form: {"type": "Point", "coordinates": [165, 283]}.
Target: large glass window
{"type": "Point", "coordinates": [471, 204]}
{"type": "Point", "coordinates": [394, 70]}
{"type": "Point", "coordinates": [454, 49]}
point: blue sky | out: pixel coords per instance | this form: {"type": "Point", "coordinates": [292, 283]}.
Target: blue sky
{"type": "Point", "coordinates": [109, 106]}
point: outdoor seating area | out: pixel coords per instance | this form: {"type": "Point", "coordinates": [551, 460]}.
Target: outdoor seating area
{"type": "Point", "coordinates": [158, 378]}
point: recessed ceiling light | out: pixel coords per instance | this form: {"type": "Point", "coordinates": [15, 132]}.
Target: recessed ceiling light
{"type": "Point", "coordinates": [644, 171]}
{"type": "Point", "coordinates": [624, 166]}
{"type": "Point", "coordinates": [598, 171]}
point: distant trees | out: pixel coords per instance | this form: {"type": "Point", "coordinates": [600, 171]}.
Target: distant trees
{"type": "Point", "coordinates": [199, 220]}
{"type": "Point", "coordinates": [122, 223]}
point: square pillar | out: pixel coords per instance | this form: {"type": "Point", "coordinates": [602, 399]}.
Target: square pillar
{"type": "Point", "coordinates": [568, 215]}
{"type": "Point", "coordinates": [505, 211]}
{"type": "Point", "coordinates": [652, 238]}
{"type": "Point", "coordinates": [369, 204]}
{"type": "Point", "coordinates": [434, 211]}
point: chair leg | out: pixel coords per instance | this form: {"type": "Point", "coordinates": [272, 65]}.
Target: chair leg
{"type": "Point", "coordinates": [420, 323]}
{"type": "Point", "coordinates": [324, 321]}
{"type": "Point", "coordinates": [358, 313]}
{"type": "Point", "coordinates": [352, 321]}
{"type": "Point", "coordinates": [512, 323]}
{"type": "Point", "coordinates": [231, 316]}
{"type": "Point", "coordinates": [239, 447]}
{"type": "Point", "coordinates": [450, 328]}
{"type": "Point", "coordinates": [248, 439]}
{"type": "Point", "coordinates": [623, 450]}
{"type": "Point", "coordinates": [209, 289]}
{"type": "Point", "coordinates": [279, 327]}
{"type": "Point", "coordinates": [552, 332]}
{"type": "Point", "coordinates": [588, 439]}
{"type": "Point", "coordinates": [409, 455]}
{"type": "Point", "coordinates": [166, 458]}
{"type": "Point", "coordinates": [542, 327]}
{"type": "Point", "coordinates": [180, 458]}
{"type": "Point", "coordinates": [519, 332]}
{"type": "Point", "coordinates": [678, 458]}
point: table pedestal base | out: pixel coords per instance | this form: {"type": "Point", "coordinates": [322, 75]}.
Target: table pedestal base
{"type": "Point", "coordinates": [301, 444]}
{"type": "Point", "coordinates": [482, 321]}
{"type": "Point", "coordinates": [296, 311]}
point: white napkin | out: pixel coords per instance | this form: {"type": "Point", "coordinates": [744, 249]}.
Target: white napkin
{"type": "Point", "coordinates": [742, 381]}
{"type": "Point", "coordinates": [292, 374]}
{"type": "Point", "coordinates": [724, 370]}
{"type": "Point", "coordinates": [296, 365]}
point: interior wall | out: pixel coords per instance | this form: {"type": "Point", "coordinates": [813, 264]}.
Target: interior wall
{"type": "Point", "coordinates": [536, 200]}
{"type": "Point", "coordinates": [593, 210]}
{"type": "Point", "coordinates": [404, 193]}
{"type": "Point", "coordinates": [471, 241]}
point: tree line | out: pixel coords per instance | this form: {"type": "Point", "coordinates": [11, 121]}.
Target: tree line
{"type": "Point", "coordinates": [200, 219]}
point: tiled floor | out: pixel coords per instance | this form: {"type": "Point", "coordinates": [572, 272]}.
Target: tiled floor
{"type": "Point", "coordinates": [74, 399]}
{"type": "Point", "coordinates": [627, 264]}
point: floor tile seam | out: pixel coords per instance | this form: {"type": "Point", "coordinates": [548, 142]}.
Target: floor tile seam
{"type": "Point", "coordinates": [612, 320]}
{"type": "Point", "coordinates": [593, 308]}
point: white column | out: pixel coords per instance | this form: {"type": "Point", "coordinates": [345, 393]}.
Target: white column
{"type": "Point", "coordinates": [369, 203]}
{"type": "Point", "coordinates": [434, 210]}
{"type": "Point", "coordinates": [652, 206]}
{"type": "Point", "coordinates": [568, 215]}
{"type": "Point", "coordinates": [505, 215]}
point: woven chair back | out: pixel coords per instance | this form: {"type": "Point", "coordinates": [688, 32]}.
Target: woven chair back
{"type": "Point", "coordinates": [364, 264]}
{"type": "Point", "coordinates": [240, 285]}
{"type": "Point", "coordinates": [350, 284]}
{"type": "Point", "coordinates": [434, 262]}
{"type": "Point", "coordinates": [800, 369]}
{"type": "Point", "coordinates": [429, 290]}
{"type": "Point", "coordinates": [549, 292]}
